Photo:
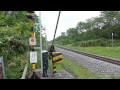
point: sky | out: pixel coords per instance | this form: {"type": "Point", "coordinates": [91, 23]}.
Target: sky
{"type": "Point", "coordinates": [68, 19]}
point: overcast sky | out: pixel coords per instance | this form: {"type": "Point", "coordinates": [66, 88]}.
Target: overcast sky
{"type": "Point", "coordinates": [68, 19]}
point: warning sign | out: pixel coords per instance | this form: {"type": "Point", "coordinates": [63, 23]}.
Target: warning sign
{"type": "Point", "coordinates": [33, 57]}
{"type": "Point", "coordinates": [32, 41]}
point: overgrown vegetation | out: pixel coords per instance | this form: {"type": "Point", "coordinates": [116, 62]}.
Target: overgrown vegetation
{"type": "Point", "coordinates": [14, 33]}
{"type": "Point", "coordinates": [14, 67]}
{"type": "Point", "coordinates": [15, 30]}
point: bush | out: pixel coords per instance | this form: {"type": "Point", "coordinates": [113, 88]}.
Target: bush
{"type": "Point", "coordinates": [97, 42]}
{"type": "Point", "coordinates": [11, 43]}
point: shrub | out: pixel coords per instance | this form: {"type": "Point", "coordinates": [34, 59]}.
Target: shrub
{"type": "Point", "coordinates": [96, 42]}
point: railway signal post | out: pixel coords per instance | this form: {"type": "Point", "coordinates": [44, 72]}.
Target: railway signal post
{"type": "Point", "coordinates": [32, 43]}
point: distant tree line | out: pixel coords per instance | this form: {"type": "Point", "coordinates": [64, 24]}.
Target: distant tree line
{"type": "Point", "coordinates": [95, 28]}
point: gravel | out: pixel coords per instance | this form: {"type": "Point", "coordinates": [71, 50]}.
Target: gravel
{"type": "Point", "coordinates": [93, 65]}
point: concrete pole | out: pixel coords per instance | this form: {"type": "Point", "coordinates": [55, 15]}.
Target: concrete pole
{"type": "Point", "coordinates": [46, 39]}
{"type": "Point", "coordinates": [41, 42]}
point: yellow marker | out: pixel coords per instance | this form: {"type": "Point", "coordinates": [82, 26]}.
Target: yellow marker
{"type": "Point", "coordinates": [32, 34]}
{"type": "Point", "coordinates": [57, 57]}
{"type": "Point", "coordinates": [33, 66]}
{"type": "Point", "coordinates": [54, 70]}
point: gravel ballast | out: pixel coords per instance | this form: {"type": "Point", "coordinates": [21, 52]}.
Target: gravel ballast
{"type": "Point", "coordinates": [93, 65]}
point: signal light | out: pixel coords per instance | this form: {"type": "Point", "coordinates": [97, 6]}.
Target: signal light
{"type": "Point", "coordinates": [29, 16]}
{"type": "Point", "coordinates": [30, 11]}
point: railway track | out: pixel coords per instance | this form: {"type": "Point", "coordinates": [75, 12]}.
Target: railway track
{"type": "Point", "coordinates": [110, 60]}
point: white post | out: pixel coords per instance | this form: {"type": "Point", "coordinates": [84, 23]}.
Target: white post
{"type": "Point", "coordinates": [112, 39]}
{"type": "Point", "coordinates": [41, 42]}
{"type": "Point", "coordinates": [46, 38]}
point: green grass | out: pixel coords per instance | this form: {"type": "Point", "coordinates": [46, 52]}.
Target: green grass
{"type": "Point", "coordinates": [112, 52]}
{"type": "Point", "coordinates": [14, 67]}
{"type": "Point", "coordinates": [76, 70]}
{"type": "Point", "coordinates": [50, 66]}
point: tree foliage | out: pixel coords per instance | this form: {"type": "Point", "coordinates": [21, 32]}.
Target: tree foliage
{"type": "Point", "coordinates": [14, 33]}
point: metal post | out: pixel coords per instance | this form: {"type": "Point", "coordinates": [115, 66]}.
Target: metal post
{"type": "Point", "coordinates": [46, 38]}
{"type": "Point", "coordinates": [3, 68]}
{"type": "Point", "coordinates": [41, 42]}
{"type": "Point", "coordinates": [112, 39]}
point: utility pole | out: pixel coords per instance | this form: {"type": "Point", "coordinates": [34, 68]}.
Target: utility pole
{"type": "Point", "coordinates": [41, 42]}
{"type": "Point", "coordinates": [32, 43]}
{"type": "Point", "coordinates": [44, 29]}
